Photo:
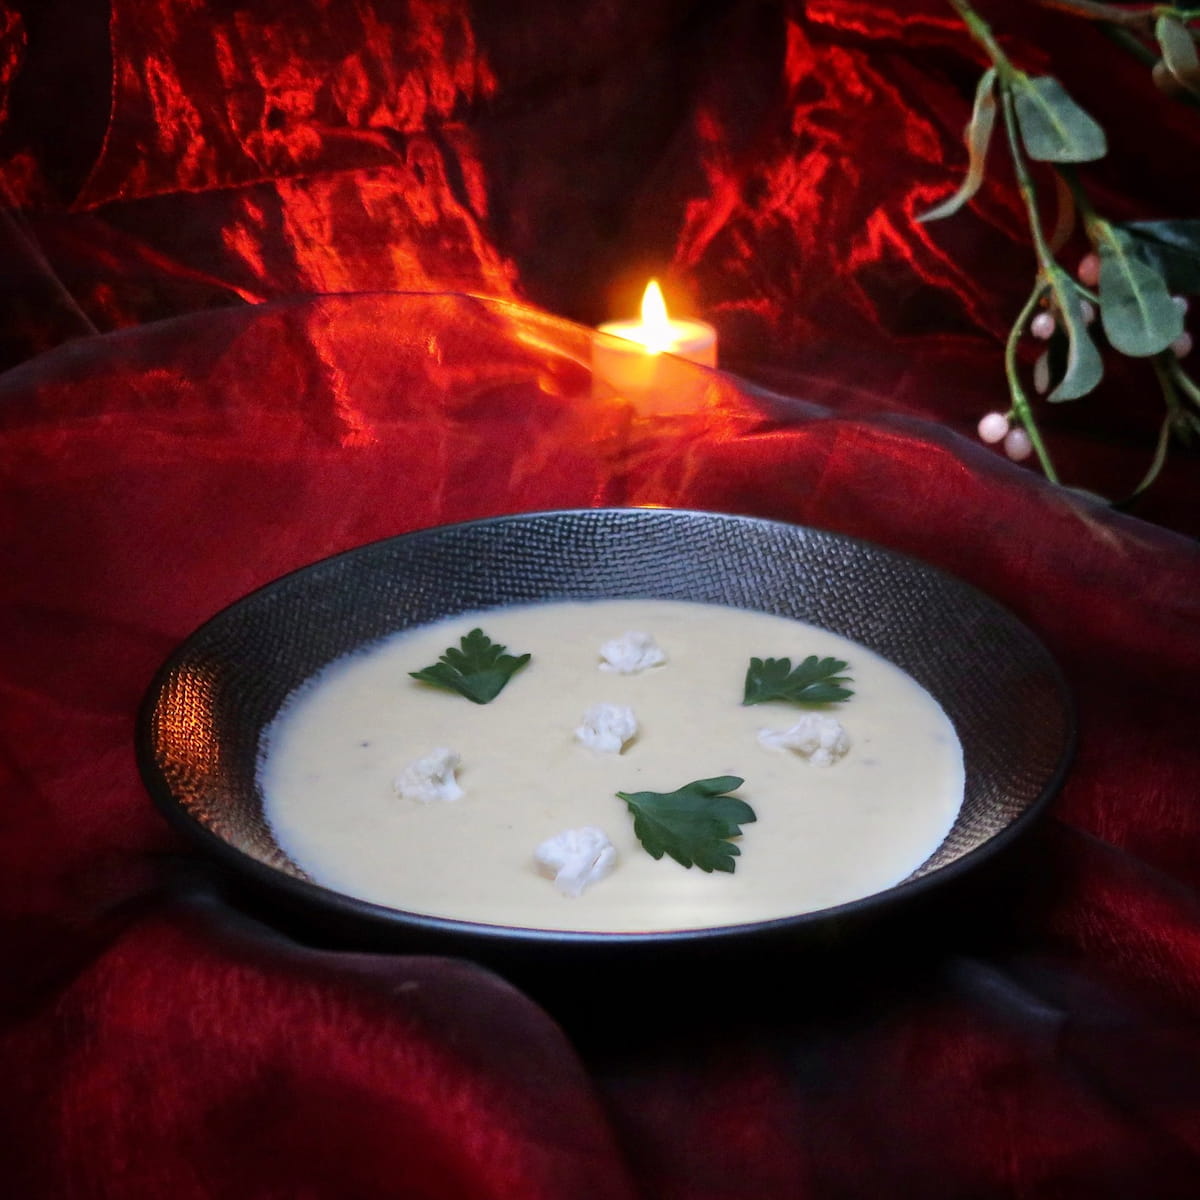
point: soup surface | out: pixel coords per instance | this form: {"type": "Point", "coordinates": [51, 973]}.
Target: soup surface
{"type": "Point", "coordinates": [824, 835]}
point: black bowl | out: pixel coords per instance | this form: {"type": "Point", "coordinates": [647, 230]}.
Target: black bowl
{"type": "Point", "coordinates": [199, 729]}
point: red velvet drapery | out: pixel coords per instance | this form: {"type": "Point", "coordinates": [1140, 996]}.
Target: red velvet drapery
{"type": "Point", "coordinates": [232, 232]}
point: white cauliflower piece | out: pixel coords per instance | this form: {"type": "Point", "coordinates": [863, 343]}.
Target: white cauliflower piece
{"type": "Point", "coordinates": [577, 858]}
{"type": "Point", "coordinates": [431, 778]}
{"type": "Point", "coordinates": [606, 728]}
{"type": "Point", "coordinates": [630, 653]}
{"type": "Point", "coordinates": [819, 739]}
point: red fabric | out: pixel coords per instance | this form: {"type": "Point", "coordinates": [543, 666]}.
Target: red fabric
{"type": "Point", "coordinates": [150, 478]}
{"type": "Point", "coordinates": [767, 160]}
{"type": "Point", "coordinates": [181, 419]}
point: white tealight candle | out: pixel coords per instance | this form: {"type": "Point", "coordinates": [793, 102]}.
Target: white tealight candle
{"type": "Point", "coordinates": [639, 360]}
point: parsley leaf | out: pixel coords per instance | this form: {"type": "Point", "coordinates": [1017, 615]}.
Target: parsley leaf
{"type": "Point", "coordinates": [814, 681]}
{"type": "Point", "coordinates": [479, 670]}
{"type": "Point", "coordinates": [692, 823]}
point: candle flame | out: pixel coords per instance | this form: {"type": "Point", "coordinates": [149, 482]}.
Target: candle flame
{"type": "Point", "coordinates": [655, 332]}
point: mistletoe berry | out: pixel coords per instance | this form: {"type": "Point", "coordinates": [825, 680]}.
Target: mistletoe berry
{"type": "Point", "coordinates": [1041, 375]}
{"type": "Point", "coordinates": [1017, 445]}
{"type": "Point", "coordinates": [1043, 326]}
{"type": "Point", "coordinates": [993, 428]}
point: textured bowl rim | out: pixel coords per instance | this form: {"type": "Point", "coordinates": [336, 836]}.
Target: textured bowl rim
{"type": "Point", "coordinates": [384, 920]}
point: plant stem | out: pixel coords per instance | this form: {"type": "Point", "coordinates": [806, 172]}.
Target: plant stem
{"type": "Point", "coordinates": [1092, 10]}
{"type": "Point", "coordinates": [1181, 379]}
{"type": "Point", "coordinates": [981, 31]}
{"type": "Point", "coordinates": [1127, 41]}
{"type": "Point", "coordinates": [1092, 221]}
{"type": "Point", "coordinates": [1025, 183]}
{"type": "Point", "coordinates": [1020, 401]}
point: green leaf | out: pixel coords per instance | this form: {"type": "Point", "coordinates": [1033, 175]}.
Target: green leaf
{"type": "Point", "coordinates": [1156, 463]}
{"type": "Point", "coordinates": [1140, 318]}
{"type": "Point", "coordinates": [1084, 367]}
{"type": "Point", "coordinates": [814, 681]}
{"type": "Point", "coordinates": [978, 137]}
{"type": "Point", "coordinates": [1053, 127]}
{"type": "Point", "coordinates": [1172, 248]}
{"type": "Point", "coordinates": [478, 670]}
{"type": "Point", "coordinates": [693, 823]}
{"type": "Point", "coordinates": [1179, 52]}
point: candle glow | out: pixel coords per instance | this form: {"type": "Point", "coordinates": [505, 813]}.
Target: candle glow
{"type": "Point", "coordinates": [642, 367]}
{"type": "Point", "coordinates": [655, 330]}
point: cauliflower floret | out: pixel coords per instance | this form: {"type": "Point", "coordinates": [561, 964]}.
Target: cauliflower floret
{"type": "Point", "coordinates": [606, 728]}
{"type": "Point", "coordinates": [630, 653]}
{"type": "Point", "coordinates": [431, 778]}
{"type": "Point", "coordinates": [578, 858]}
{"type": "Point", "coordinates": [819, 739]}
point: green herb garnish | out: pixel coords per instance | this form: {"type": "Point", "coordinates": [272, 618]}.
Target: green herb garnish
{"type": "Point", "coordinates": [693, 823]}
{"type": "Point", "coordinates": [479, 670]}
{"type": "Point", "coordinates": [814, 681]}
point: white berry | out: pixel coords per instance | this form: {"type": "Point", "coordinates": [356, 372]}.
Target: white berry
{"type": "Point", "coordinates": [1181, 303]}
{"type": "Point", "coordinates": [1181, 347]}
{"type": "Point", "coordinates": [1042, 326]}
{"type": "Point", "coordinates": [993, 428]}
{"type": "Point", "coordinates": [1041, 375]}
{"type": "Point", "coordinates": [1087, 310]}
{"type": "Point", "coordinates": [1017, 445]}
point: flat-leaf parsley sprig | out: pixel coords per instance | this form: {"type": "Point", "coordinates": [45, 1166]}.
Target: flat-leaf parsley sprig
{"type": "Point", "coordinates": [693, 823]}
{"type": "Point", "coordinates": [814, 681]}
{"type": "Point", "coordinates": [478, 669]}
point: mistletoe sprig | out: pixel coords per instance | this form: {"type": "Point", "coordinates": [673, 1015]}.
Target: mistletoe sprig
{"type": "Point", "coordinates": [1137, 273]}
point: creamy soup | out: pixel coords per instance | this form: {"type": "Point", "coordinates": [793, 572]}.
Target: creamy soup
{"type": "Point", "coordinates": [823, 835]}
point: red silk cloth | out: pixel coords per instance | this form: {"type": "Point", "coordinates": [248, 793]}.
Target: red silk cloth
{"type": "Point", "coordinates": [163, 158]}
{"type": "Point", "coordinates": [157, 1043]}
{"type": "Point", "coordinates": [768, 161]}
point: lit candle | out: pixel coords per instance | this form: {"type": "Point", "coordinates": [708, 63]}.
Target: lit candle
{"type": "Point", "coordinates": [639, 360]}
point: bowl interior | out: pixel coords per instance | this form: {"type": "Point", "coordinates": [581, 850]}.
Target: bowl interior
{"type": "Point", "coordinates": [203, 717]}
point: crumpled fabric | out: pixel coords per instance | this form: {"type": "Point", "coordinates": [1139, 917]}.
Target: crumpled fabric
{"type": "Point", "coordinates": [235, 337]}
{"type": "Point", "coordinates": [768, 161]}
{"type": "Point", "coordinates": [166, 1034]}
